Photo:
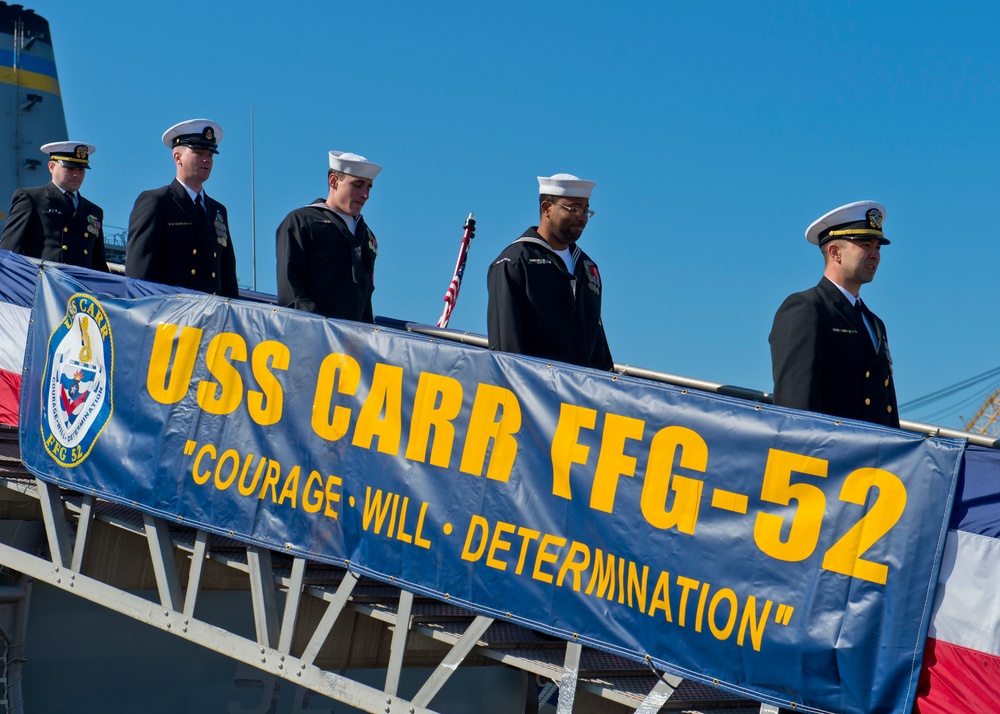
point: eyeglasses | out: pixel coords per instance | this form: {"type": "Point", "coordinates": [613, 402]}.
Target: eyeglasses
{"type": "Point", "coordinates": [576, 210]}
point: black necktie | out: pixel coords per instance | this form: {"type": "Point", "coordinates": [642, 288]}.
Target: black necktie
{"type": "Point", "coordinates": [200, 212]}
{"type": "Point", "coordinates": [859, 306]}
{"type": "Point", "coordinates": [69, 201]}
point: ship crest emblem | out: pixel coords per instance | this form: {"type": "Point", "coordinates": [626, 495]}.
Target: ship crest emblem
{"type": "Point", "coordinates": [76, 387]}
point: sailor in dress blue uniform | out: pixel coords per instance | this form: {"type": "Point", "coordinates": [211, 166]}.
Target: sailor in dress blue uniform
{"type": "Point", "coordinates": [829, 352]}
{"type": "Point", "coordinates": [177, 234]}
{"type": "Point", "coordinates": [55, 222]}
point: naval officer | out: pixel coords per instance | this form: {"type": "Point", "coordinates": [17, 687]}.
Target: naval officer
{"type": "Point", "coordinates": [325, 251]}
{"type": "Point", "coordinates": [55, 222]}
{"type": "Point", "coordinates": [177, 234]}
{"type": "Point", "coordinates": [829, 352]}
{"type": "Point", "coordinates": [544, 292]}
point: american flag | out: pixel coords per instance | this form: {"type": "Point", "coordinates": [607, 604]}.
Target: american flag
{"type": "Point", "coordinates": [18, 276]}
{"type": "Point", "coordinates": [961, 670]}
{"type": "Point", "coordinates": [451, 295]}
{"type": "Point", "coordinates": [17, 286]}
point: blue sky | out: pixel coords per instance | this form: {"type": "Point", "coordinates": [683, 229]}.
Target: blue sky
{"type": "Point", "coordinates": [716, 133]}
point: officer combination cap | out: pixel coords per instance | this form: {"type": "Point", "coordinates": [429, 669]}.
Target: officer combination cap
{"type": "Point", "coordinates": [564, 185]}
{"type": "Point", "coordinates": [72, 154]}
{"type": "Point", "coordinates": [855, 221]}
{"type": "Point", "coordinates": [196, 133]}
{"type": "Point", "coordinates": [353, 165]}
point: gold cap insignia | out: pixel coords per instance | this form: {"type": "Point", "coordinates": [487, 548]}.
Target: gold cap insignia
{"type": "Point", "coordinates": [875, 218]}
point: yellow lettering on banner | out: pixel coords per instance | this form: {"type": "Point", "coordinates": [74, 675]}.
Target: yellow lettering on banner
{"type": "Point", "coordinates": [202, 477]}
{"type": "Point", "coordinates": [660, 479]}
{"type": "Point", "coordinates": [777, 487]}
{"type": "Point", "coordinates": [315, 496]}
{"type": "Point", "coordinates": [312, 495]}
{"type": "Point", "coordinates": [180, 369]}
{"type": "Point", "coordinates": [478, 527]}
{"type": "Point", "coordinates": [545, 557]}
{"type": "Point", "coordinates": [687, 585]}
{"type": "Point", "coordinates": [401, 533]}
{"type": "Point", "coordinates": [602, 577]}
{"type": "Point", "coordinates": [661, 597]}
{"type": "Point", "coordinates": [484, 427]}
{"type": "Point", "coordinates": [103, 324]}
{"type": "Point", "coordinates": [844, 556]}
{"type": "Point", "coordinates": [723, 595]}
{"type": "Point", "coordinates": [700, 614]}
{"type": "Point", "coordinates": [417, 539]}
{"type": "Point", "coordinates": [566, 449]}
{"type": "Point", "coordinates": [228, 455]}
{"type": "Point", "coordinates": [751, 623]}
{"type": "Point", "coordinates": [71, 310]}
{"type": "Point", "coordinates": [621, 581]}
{"type": "Point", "coordinates": [528, 536]}
{"type": "Point", "coordinates": [498, 543]}
{"type": "Point", "coordinates": [271, 480]}
{"type": "Point", "coordinates": [637, 586]}
{"type": "Point", "coordinates": [333, 483]}
{"type": "Point", "coordinates": [265, 406]}
{"type": "Point", "coordinates": [392, 513]}
{"type": "Point", "coordinates": [375, 510]}
{"type": "Point", "coordinates": [437, 402]}
{"type": "Point", "coordinates": [87, 306]}
{"type": "Point", "coordinates": [384, 398]}
{"type": "Point", "coordinates": [327, 426]}
{"type": "Point", "coordinates": [612, 461]}
{"type": "Point", "coordinates": [574, 566]}
{"type": "Point", "coordinates": [224, 396]}
{"type": "Point", "coordinates": [291, 488]}
{"type": "Point", "coordinates": [379, 507]}
{"type": "Point", "coordinates": [243, 487]}
{"type": "Point", "coordinates": [568, 563]}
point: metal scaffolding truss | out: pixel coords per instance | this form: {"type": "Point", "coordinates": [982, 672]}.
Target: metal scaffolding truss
{"type": "Point", "coordinates": [288, 645]}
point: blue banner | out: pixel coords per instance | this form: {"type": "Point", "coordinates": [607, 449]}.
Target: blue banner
{"type": "Point", "coordinates": [782, 555]}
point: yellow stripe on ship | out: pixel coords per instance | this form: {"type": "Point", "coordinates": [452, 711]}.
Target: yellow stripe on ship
{"type": "Point", "coordinates": [29, 80]}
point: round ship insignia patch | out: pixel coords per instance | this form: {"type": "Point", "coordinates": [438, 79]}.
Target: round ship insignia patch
{"type": "Point", "coordinates": [76, 387]}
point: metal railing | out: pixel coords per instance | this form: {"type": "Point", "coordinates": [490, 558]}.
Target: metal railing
{"type": "Point", "coordinates": [470, 338]}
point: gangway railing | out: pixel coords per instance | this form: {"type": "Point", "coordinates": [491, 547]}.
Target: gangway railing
{"type": "Point", "coordinates": [470, 338]}
{"type": "Point", "coordinates": [296, 604]}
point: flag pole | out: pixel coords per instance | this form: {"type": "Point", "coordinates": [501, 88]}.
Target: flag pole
{"type": "Point", "coordinates": [451, 295]}
{"type": "Point", "coordinates": [253, 205]}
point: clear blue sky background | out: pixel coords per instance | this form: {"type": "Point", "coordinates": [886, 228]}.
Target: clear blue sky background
{"type": "Point", "coordinates": [716, 133]}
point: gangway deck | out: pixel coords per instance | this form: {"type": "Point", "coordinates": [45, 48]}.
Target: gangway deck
{"type": "Point", "coordinates": [314, 623]}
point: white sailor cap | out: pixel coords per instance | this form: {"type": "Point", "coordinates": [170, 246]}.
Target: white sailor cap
{"type": "Point", "coordinates": [196, 133]}
{"type": "Point", "coordinates": [353, 165]}
{"type": "Point", "coordinates": [855, 221]}
{"type": "Point", "coordinates": [564, 185]}
{"type": "Point", "coordinates": [72, 154]}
